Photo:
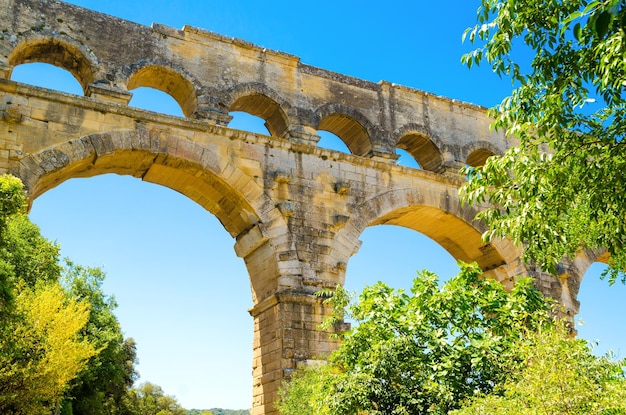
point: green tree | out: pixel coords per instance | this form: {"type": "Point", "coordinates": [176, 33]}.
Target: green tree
{"type": "Point", "coordinates": [24, 254]}
{"type": "Point", "coordinates": [561, 189]}
{"type": "Point", "coordinates": [100, 388]}
{"type": "Point", "coordinates": [149, 399]}
{"type": "Point", "coordinates": [419, 353]}
{"type": "Point", "coordinates": [557, 375]}
{"type": "Point", "coordinates": [48, 343]}
{"type": "Point", "coordinates": [42, 350]}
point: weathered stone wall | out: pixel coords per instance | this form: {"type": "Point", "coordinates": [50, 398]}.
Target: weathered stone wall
{"type": "Point", "coordinates": [295, 210]}
{"type": "Point", "coordinates": [210, 75]}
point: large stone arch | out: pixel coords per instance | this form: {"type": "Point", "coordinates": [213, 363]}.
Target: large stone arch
{"type": "Point", "coordinates": [59, 50]}
{"type": "Point", "coordinates": [259, 100]}
{"type": "Point", "coordinates": [204, 176]}
{"type": "Point", "coordinates": [419, 143]}
{"type": "Point", "coordinates": [170, 161]}
{"type": "Point", "coordinates": [439, 215]}
{"type": "Point", "coordinates": [347, 123]}
{"type": "Point", "coordinates": [168, 78]}
{"type": "Point", "coordinates": [213, 181]}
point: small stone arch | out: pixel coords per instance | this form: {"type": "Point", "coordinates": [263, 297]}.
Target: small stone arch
{"type": "Point", "coordinates": [416, 140]}
{"type": "Point", "coordinates": [59, 50]}
{"type": "Point", "coordinates": [440, 216]}
{"type": "Point", "coordinates": [259, 100]}
{"type": "Point", "coordinates": [476, 154]}
{"type": "Point", "coordinates": [352, 127]}
{"type": "Point", "coordinates": [167, 78]}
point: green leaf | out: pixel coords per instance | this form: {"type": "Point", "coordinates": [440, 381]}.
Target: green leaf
{"type": "Point", "coordinates": [602, 23]}
{"type": "Point", "coordinates": [577, 31]}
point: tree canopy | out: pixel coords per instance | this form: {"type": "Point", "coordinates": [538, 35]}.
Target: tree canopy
{"type": "Point", "coordinates": [556, 374]}
{"type": "Point", "coordinates": [422, 352]}
{"type": "Point", "coordinates": [149, 399]}
{"type": "Point", "coordinates": [41, 347]}
{"type": "Point", "coordinates": [560, 190]}
{"type": "Point", "coordinates": [99, 389]}
{"type": "Point", "coordinates": [43, 350]}
{"type": "Point", "coordinates": [61, 346]}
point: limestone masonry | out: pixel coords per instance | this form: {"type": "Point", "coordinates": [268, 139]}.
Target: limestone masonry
{"type": "Point", "coordinates": [295, 210]}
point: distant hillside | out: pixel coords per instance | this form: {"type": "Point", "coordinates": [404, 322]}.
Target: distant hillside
{"type": "Point", "coordinates": [219, 411]}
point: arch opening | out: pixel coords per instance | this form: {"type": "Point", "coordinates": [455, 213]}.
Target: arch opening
{"type": "Point", "coordinates": [352, 133]}
{"type": "Point", "coordinates": [180, 308]}
{"type": "Point", "coordinates": [247, 122]}
{"type": "Point", "coordinates": [263, 107]}
{"type": "Point", "coordinates": [393, 255]}
{"type": "Point", "coordinates": [332, 142]}
{"type": "Point", "coordinates": [47, 76]}
{"type": "Point", "coordinates": [406, 159]}
{"type": "Point", "coordinates": [152, 99]}
{"type": "Point", "coordinates": [423, 150]}
{"type": "Point", "coordinates": [57, 53]}
{"type": "Point", "coordinates": [439, 217]}
{"type": "Point", "coordinates": [601, 313]}
{"type": "Point", "coordinates": [198, 179]}
{"type": "Point", "coordinates": [461, 240]}
{"type": "Point", "coordinates": [169, 81]}
{"type": "Point", "coordinates": [478, 157]}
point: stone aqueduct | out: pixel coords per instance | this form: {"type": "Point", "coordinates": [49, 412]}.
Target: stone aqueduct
{"type": "Point", "coordinates": [296, 210]}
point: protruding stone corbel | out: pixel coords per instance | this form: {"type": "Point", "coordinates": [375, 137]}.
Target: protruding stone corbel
{"type": "Point", "coordinates": [285, 208]}
{"type": "Point", "coordinates": [104, 92]}
{"type": "Point", "coordinates": [249, 241]}
{"type": "Point", "coordinates": [451, 168]}
{"type": "Point", "coordinates": [5, 71]}
{"type": "Point", "coordinates": [303, 134]}
{"type": "Point", "coordinates": [10, 114]}
{"type": "Point", "coordinates": [212, 116]}
{"type": "Point", "coordinates": [382, 155]}
{"type": "Point", "coordinates": [282, 177]}
{"type": "Point", "coordinates": [339, 221]}
{"type": "Point", "coordinates": [342, 188]}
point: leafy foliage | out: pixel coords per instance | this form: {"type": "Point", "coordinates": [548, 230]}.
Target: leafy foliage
{"type": "Point", "coordinates": [422, 352]}
{"type": "Point", "coordinates": [561, 189]}
{"type": "Point", "coordinates": [56, 341]}
{"type": "Point", "coordinates": [24, 254]}
{"type": "Point", "coordinates": [111, 373]}
{"type": "Point", "coordinates": [12, 199]}
{"type": "Point", "coordinates": [42, 350]}
{"type": "Point", "coordinates": [149, 399]}
{"type": "Point", "coordinates": [558, 375]}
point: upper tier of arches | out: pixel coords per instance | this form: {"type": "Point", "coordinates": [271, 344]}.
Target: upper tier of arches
{"type": "Point", "coordinates": [225, 75]}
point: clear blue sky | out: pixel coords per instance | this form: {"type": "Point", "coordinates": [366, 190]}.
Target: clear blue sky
{"type": "Point", "coordinates": [182, 292]}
